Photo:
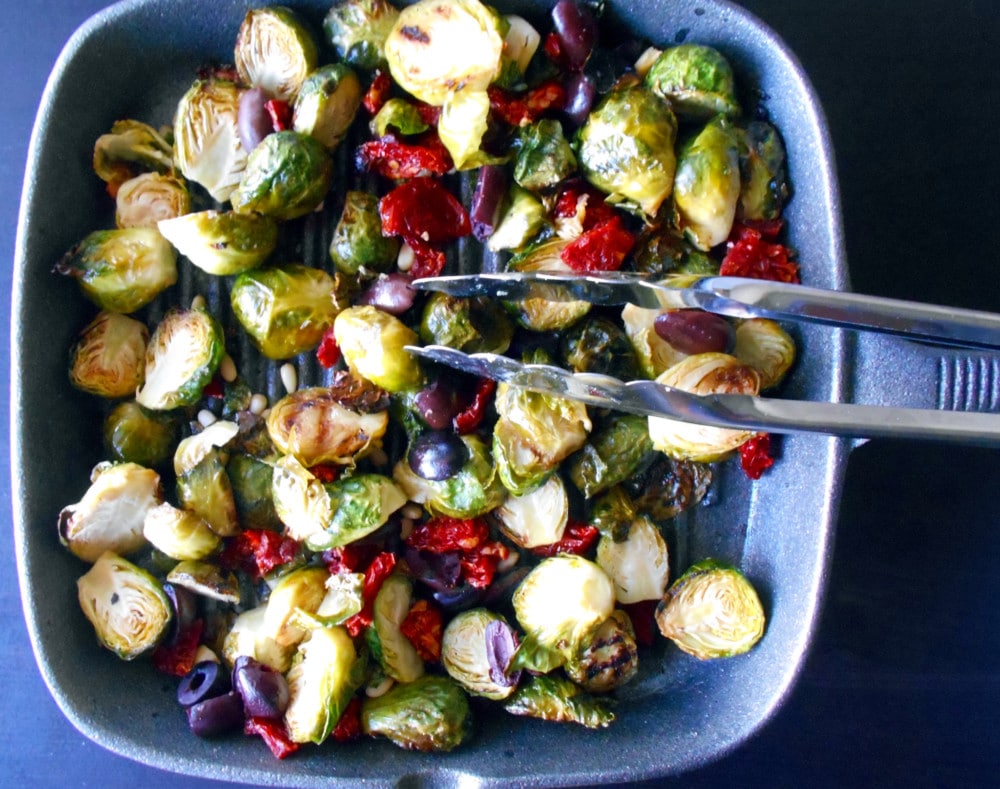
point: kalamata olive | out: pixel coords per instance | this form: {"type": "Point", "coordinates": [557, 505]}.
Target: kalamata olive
{"type": "Point", "coordinates": [576, 28]}
{"type": "Point", "coordinates": [185, 605]}
{"type": "Point", "coordinates": [438, 404]}
{"type": "Point", "coordinates": [264, 691]}
{"type": "Point", "coordinates": [460, 598]}
{"type": "Point", "coordinates": [437, 454]}
{"type": "Point", "coordinates": [695, 331]}
{"type": "Point", "coordinates": [580, 95]}
{"type": "Point", "coordinates": [390, 293]}
{"type": "Point", "coordinates": [217, 715]}
{"type": "Point", "coordinates": [253, 123]}
{"type": "Point", "coordinates": [501, 644]}
{"type": "Point", "coordinates": [491, 187]}
{"type": "Point", "coordinates": [440, 571]}
{"type": "Point", "coordinates": [204, 681]}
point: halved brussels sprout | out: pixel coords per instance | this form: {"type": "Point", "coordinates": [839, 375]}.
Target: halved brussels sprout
{"type": "Point", "coordinates": [669, 487]}
{"type": "Point", "coordinates": [609, 659]}
{"type": "Point", "coordinates": [431, 713]}
{"type": "Point", "coordinates": [205, 489]}
{"type": "Point", "coordinates": [357, 29]}
{"type": "Point", "coordinates": [301, 589]}
{"type": "Point", "coordinates": [611, 455]}
{"type": "Point", "coordinates": [398, 114]}
{"type": "Point", "coordinates": [463, 121]}
{"type": "Point", "coordinates": [440, 47]}
{"type": "Point", "coordinates": [300, 499]}
{"type": "Point", "coordinates": [474, 325]}
{"type": "Point", "coordinates": [274, 51]}
{"type": "Point", "coordinates": [222, 242]}
{"type": "Point", "coordinates": [372, 343]}
{"type": "Point", "coordinates": [180, 534]}
{"type": "Point", "coordinates": [183, 355]}
{"type": "Point", "coordinates": [599, 345]}
{"type": "Point", "coordinates": [326, 104]}
{"type": "Point", "coordinates": [626, 147]}
{"type": "Point", "coordinates": [766, 347]}
{"type": "Point", "coordinates": [696, 79]}
{"type": "Point", "coordinates": [394, 652]}
{"type": "Point", "coordinates": [286, 176]}
{"type": "Point", "coordinates": [362, 503]}
{"type": "Point", "coordinates": [662, 251]}
{"type": "Point", "coordinates": [465, 657]}
{"type": "Point", "coordinates": [519, 46]}
{"type": "Point", "coordinates": [763, 179]}
{"type": "Point", "coordinates": [134, 435]}
{"type": "Point", "coordinates": [538, 517]}
{"type": "Point", "coordinates": [121, 270]}
{"type": "Point", "coordinates": [522, 217]}
{"type": "Point", "coordinates": [542, 315]}
{"type": "Point", "coordinates": [711, 611]}
{"type": "Point", "coordinates": [207, 138]}
{"type": "Point", "coordinates": [150, 197]}
{"type": "Point", "coordinates": [707, 184]}
{"type": "Point", "coordinates": [130, 148]}
{"type": "Point", "coordinates": [344, 598]}
{"type": "Point", "coordinates": [251, 478]}
{"type": "Point", "coordinates": [639, 565]}
{"type": "Point", "coordinates": [703, 374]}
{"type": "Point", "coordinates": [195, 448]}
{"type": "Point", "coordinates": [612, 513]}
{"type": "Point", "coordinates": [206, 579]}
{"type": "Point", "coordinates": [109, 358]}
{"type": "Point", "coordinates": [245, 637]}
{"type": "Point", "coordinates": [285, 309]}
{"type": "Point", "coordinates": [358, 243]}
{"type": "Point", "coordinates": [544, 157]}
{"type": "Point", "coordinates": [554, 698]}
{"type": "Point", "coordinates": [655, 354]}
{"type": "Point", "coordinates": [110, 515]}
{"type": "Point", "coordinates": [125, 604]}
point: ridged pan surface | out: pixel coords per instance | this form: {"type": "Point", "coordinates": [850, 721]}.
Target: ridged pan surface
{"type": "Point", "coordinates": [680, 713]}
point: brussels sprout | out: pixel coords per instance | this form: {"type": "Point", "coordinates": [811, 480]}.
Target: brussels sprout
{"type": "Point", "coordinates": [707, 184]}
{"type": "Point", "coordinates": [125, 604]}
{"type": "Point", "coordinates": [559, 604]}
{"type": "Point", "coordinates": [150, 197]}
{"type": "Point", "coordinates": [134, 435]}
{"type": "Point", "coordinates": [609, 659]}
{"type": "Point", "coordinates": [523, 216]}
{"type": "Point", "coordinates": [300, 499]}
{"type": "Point", "coordinates": [711, 611]}
{"type": "Point", "coordinates": [542, 315]}
{"type": "Point", "coordinates": [538, 517]}
{"type": "Point", "coordinates": [222, 242]}
{"type": "Point", "coordinates": [109, 517]}
{"type": "Point", "coordinates": [639, 565]}
{"type": "Point", "coordinates": [612, 513]}
{"type": "Point", "coordinates": [429, 714]}
{"type": "Point", "coordinates": [183, 356]}
{"type": "Point", "coordinates": [554, 698]}
{"type": "Point", "coordinates": [655, 354]}
{"type": "Point", "coordinates": [245, 638]}
{"type": "Point", "coordinates": [611, 454]}
{"type": "Point", "coordinates": [343, 599]}
{"type": "Point", "coordinates": [626, 147]}
{"type": "Point", "coordinates": [465, 657]}
{"type": "Point", "coordinates": [207, 139]}
{"type": "Point", "coordinates": [544, 157]}
{"type": "Point", "coordinates": [206, 579]}
{"type": "Point", "coordinates": [440, 47]}
{"type": "Point", "coordinates": [395, 654]}
{"type": "Point", "coordinates": [205, 489]}
{"type": "Point", "coordinates": [400, 115]}
{"type": "Point", "coordinates": [473, 491]}
{"type": "Point", "coordinates": [763, 179]}
{"type": "Point", "coordinates": [669, 487]}
{"type": "Point", "coordinates": [121, 270]}
{"type": "Point", "coordinates": [195, 448]}
{"type": "Point", "coordinates": [327, 672]}
{"type": "Point", "coordinates": [372, 343]}
{"type": "Point", "coordinates": [696, 79]}
{"type": "Point", "coordinates": [179, 534]}
{"type": "Point", "coordinates": [250, 479]}
{"type": "Point", "coordinates": [303, 589]}
{"type": "Point", "coordinates": [287, 176]}
{"type": "Point", "coordinates": [286, 309]}
{"type": "Point", "coordinates": [476, 325]}
{"type": "Point", "coordinates": [130, 148]}
{"type": "Point", "coordinates": [274, 51]}
{"type": "Point", "coordinates": [326, 104]}
{"type": "Point", "coordinates": [361, 504]}
{"type": "Point", "coordinates": [463, 122]}
{"type": "Point", "coordinates": [766, 347]}
{"type": "Point", "coordinates": [109, 358]}
{"type": "Point", "coordinates": [703, 374]}
{"type": "Point", "coordinates": [598, 345]}
{"type": "Point", "coordinates": [661, 251]}
{"type": "Point", "coordinates": [519, 46]}
{"type": "Point", "coordinates": [327, 424]}
{"type": "Point", "coordinates": [358, 243]}
{"type": "Point", "coordinates": [357, 29]}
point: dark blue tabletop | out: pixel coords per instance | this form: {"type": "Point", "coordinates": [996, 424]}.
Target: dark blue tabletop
{"type": "Point", "coordinates": [902, 685]}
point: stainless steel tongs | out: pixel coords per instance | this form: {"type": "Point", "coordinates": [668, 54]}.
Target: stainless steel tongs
{"type": "Point", "coordinates": [741, 298]}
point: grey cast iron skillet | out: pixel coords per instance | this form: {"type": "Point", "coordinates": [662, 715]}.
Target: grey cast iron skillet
{"type": "Point", "coordinates": [135, 60]}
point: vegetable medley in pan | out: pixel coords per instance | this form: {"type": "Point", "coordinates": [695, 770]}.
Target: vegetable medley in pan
{"type": "Point", "coordinates": [393, 548]}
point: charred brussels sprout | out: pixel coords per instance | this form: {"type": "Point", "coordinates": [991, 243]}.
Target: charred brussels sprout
{"type": "Point", "coordinates": [669, 487]}
{"type": "Point", "coordinates": [358, 243]}
{"type": "Point", "coordinates": [696, 79]}
{"type": "Point", "coordinates": [766, 347]}
{"type": "Point", "coordinates": [109, 358]}
{"type": "Point", "coordinates": [125, 604]}
{"type": "Point", "coordinates": [612, 513]}
{"type": "Point", "coordinates": [180, 534]}
{"type": "Point", "coordinates": [598, 345]}
{"type": "Point", "coordinates": [326, 104]}
{"type": "Point", "coordinates": [274, 51]}
{"type": "Point", "coordinates": [357, 29]}
{"type": "Point", "coordinates": [222, 242]}
{"type": "Point", "coordinates": [372, 343]}
{"type": "Point", "coordinates": [763, 183]}
{"type": "Point", "coordinates": [711, 611]}
{"type": "Point", "coordinates": [542, 315]}
{"type": "Point", "coordinates": [538, 517]}
{"type": "Point", "coordinates": [287, 176]}
{"type": "Point", "coordinates": [134, 434]}
{"type": "Point", "coordinates": [476, 325]}
{"type": "Point", "coordinates": [639, 565]}
{"type": "Point", "coordinates": [609, 659]}
{"type": "Point", "coordinates": [611, 455]}
{"type": "Point", "coordinates": [661, 251]}
{"type": "Point", "coordinates": [207, 139]}
{"type": "Point", "coordinates": [544, 156]}
{"type": "Point", "coordinates": [626, 147]}
{"type": "Point", "coordinates": [285, 309]}
{"type": "Point", "coordinates": [130, 148]}
{"type": "Point", "coordinates": [707, 184]}
{"type": "Point", "coordinates": [146, 199]}
{"type": "Point", "coordinates": [466, 658]}
{"type": "Point", "coordinates": [121, 270]}
{"type": "Point", "coordinates": [205, 489]}
{"type": "Point", "coordinates": [206, 579]}
{"type": "Point", "coordinates": [183, 355]}
{"type": "Point", "coordinates": [554, 698]}
{"type": "Point", "coordinates": [251, 479]}
{"type": "Point", "coordinates": [429, 714]}
{"type": "Point", "coordinates": [398, 657]}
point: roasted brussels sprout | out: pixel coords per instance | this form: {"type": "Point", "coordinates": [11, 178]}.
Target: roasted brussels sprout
{"type": "Point", "coordinates": [299, 590]}
{"type": "Point", "coordinates": [669, 487]}
{"type": "Point", "coordinates": [183, 356]}
{"type": "Point", "coordinates": [180, 534]}
{"type": "Point", "coordinates": [703, 374]}
{"type": "Point", "coordinates": [766, 347]}
{"type": "Point", "coordinates": [538, 517]}
{"type": "Point", "coordinates": [110, 515]}
{"type": "Point", "coordinates": [520, 43]}
{"type": "Point", "coordinates": [372, 342]}
{"type": "Point", "coordinates": [246, 637]}
{"type": "Point", "coordinates": [598, 345]}
{"type": "Point", "coordinates": [611, 455]}
{"type": "Point", "coordinates": [542, 315]}
{"type": "Point", "coordinates": [125, 604]}
{"type": "Point", "coordinates": [555, 698]}
{"type": "Point", "coordinates": [206, 579]}
{"type": "Point", "coordinates": [626, 147]}
{"type": "Point", "coordinates": [394, 652]}
{"type": "Point", "coordinates": [286, 176]}
{"type": "Point", "coordinates": [274, 51]}
{"type": "Point", "coordinates": [285, 309]}
{"type": "Point", "coordinates": [358, 244]}
{"type": "Point", "coordinates": [763, 178]}
{"type": "Point", "coordinates": [146, 199]}
{"type": "Point", "coordinates": [300, 499]}
{"type": "Point", "coordinates": [612, 513]}
{"type": "Point", "coordinates": [398, 114]}
{"type": "Point", "coordinates": [544, 156]}
{"type": "Point", "coordinates": [195, 448]}
{"type": "Point", "coordinates": [521, 218]}
{"type": "Point", "coordinates": [222, 242]}
{"type": "Point", "coordinates": [707, 184]}
{"type": "Point", "coordinates": [476, 325]}
{"type": "Point", "coordinates": [357, 29]}
{"type": "Point", "coordinates": [121, 270]}
{"type": "Point", "coordinates": [655, 354]}
{"type": "Point", "coordinates": [109, 358]}
{"type": "Point", "coordinates": [711, 611]}
{"type": "Point", "coordinates": [250, 478]}
{"type": "Point", "coordinates": [205, 489]}
{"type": "Point", "coordinates": [609, 659]}
{"type": "Point", "coordinates": [133, 434]}
{"type": "Point", "coordinates": [431, 713]}
{"type": "Point", "coordinates": [662, 251]}
{"type": "Point", "coordinates": [131, 148]}
{"type": "Point", "coordinates": [639, 565]}
{"type": "Point", "coordinates": [465, 656]}
{"type": "Point", "coordinates": [696, 79]}
{"type": "Point", "coordinates": [463, 122]}
{"type": "Point", "coordinates": [326, 104]}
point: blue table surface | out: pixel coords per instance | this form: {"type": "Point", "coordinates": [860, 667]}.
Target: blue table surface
{"type": "Point", "coordinates": [901, 686]}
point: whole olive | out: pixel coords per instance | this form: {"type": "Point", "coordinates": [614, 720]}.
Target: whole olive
{"type": "Point", "coordinates": [695, 331]}
{"type": "Point", "coordinates": [437, 454]}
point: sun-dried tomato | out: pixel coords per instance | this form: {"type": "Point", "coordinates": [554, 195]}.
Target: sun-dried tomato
{"type": "Point", "coordinates": [480, 565]}
{"type": "Point", "coordinates": [429, 260]}
{"type": "Point", "coordinates": [521, 109]}
{"type": "Point", "coordinates": [214, 388]}
{"type": "Point", "coordinates": [280, 113]}
{"type": "Point", "coordinates": [579, 196]}
{"type": "Point", "coordinates": [643, 616]}
{"type": "Point", "coordinates": [349, 724]}
{"type": "Point", "coordinates": [553, 48]}
{"type": "Point", "coordinates": [755, 455]}
{"type": "Point", "coordinates": [470, 417]}
{"type": "Point", "coordinates": [378, 92]}
{"type": "Point", "coordinates": [750, 254]}
{"type": "Point", "coordinates": [378, 570]}
{"type": "Point", "coordinates": [423, 626]}
{"type": "Point", "coordinates": [258, 551]}
{"type": "Point", "coordinates": [326, 472]}
{"type": "Point", "coordinates": [328, 352]}
{"type": "Point", "coordinates": [577, 538]}
{"type": "Point", "coordinates": [177, 659]}
{"type": "Point", "coordinates": [428, 113]}
{"type": "Point", "coordinates": [397, 160]}
{"type": "Point", "coordinates": [443, 533]}
{"type": "Point", "coordinates": [347, 558]}
{"type": "Point", "coordinates": [602, 248]}
{"type": "Point", "coordinates": [423, 210]}
{"type": "Point", "coordinates": [272, 732]}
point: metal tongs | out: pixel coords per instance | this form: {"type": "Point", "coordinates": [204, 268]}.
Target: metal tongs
{"type": "Point", "coordinates": [739, 298]}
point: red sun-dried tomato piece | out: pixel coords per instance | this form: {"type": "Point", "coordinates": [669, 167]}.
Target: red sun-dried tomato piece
{"type": "Point", "coordinates": [443, 533]}
{"type": "Point", "coordinates": [521, 109]}
{"type": "Point", "coordinates": [423, 210]}
{"type": "Point", "coordinates": [595, 210]}
{"type": "Point", "coordinates": [272, 732]}
{"type": "Point", "coordinates": [750, 254]}
{"type": "Point", "coordinates": [377, 93]}
{"type": "Point", "coordinates": [480, 565]}
{"type": "Point", "coordinates": [470, 417]}
{"type": "Point", "coordinates": [397, 160]}
{"type": "Point", "coordinates": [755, 455]}
{"type": "Point", "coordinates": [578, 538]}
{"type": "Point", "coordinates": [603, 247]}
{"type": "Point", "coordinates": [328, 352]}
{"type": "Point", "coordinates": [379, 569]}
{"type": "Point", "coordinates": [177, 659]}
{"type": "Point", "coordinates": [280, 113]}
{"type": "Point", "coordinates": [423, 627]}
{"type": "Point", "coordinates": [643, 616]}
{"type": "Point", "coordinates": [349, 724]}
